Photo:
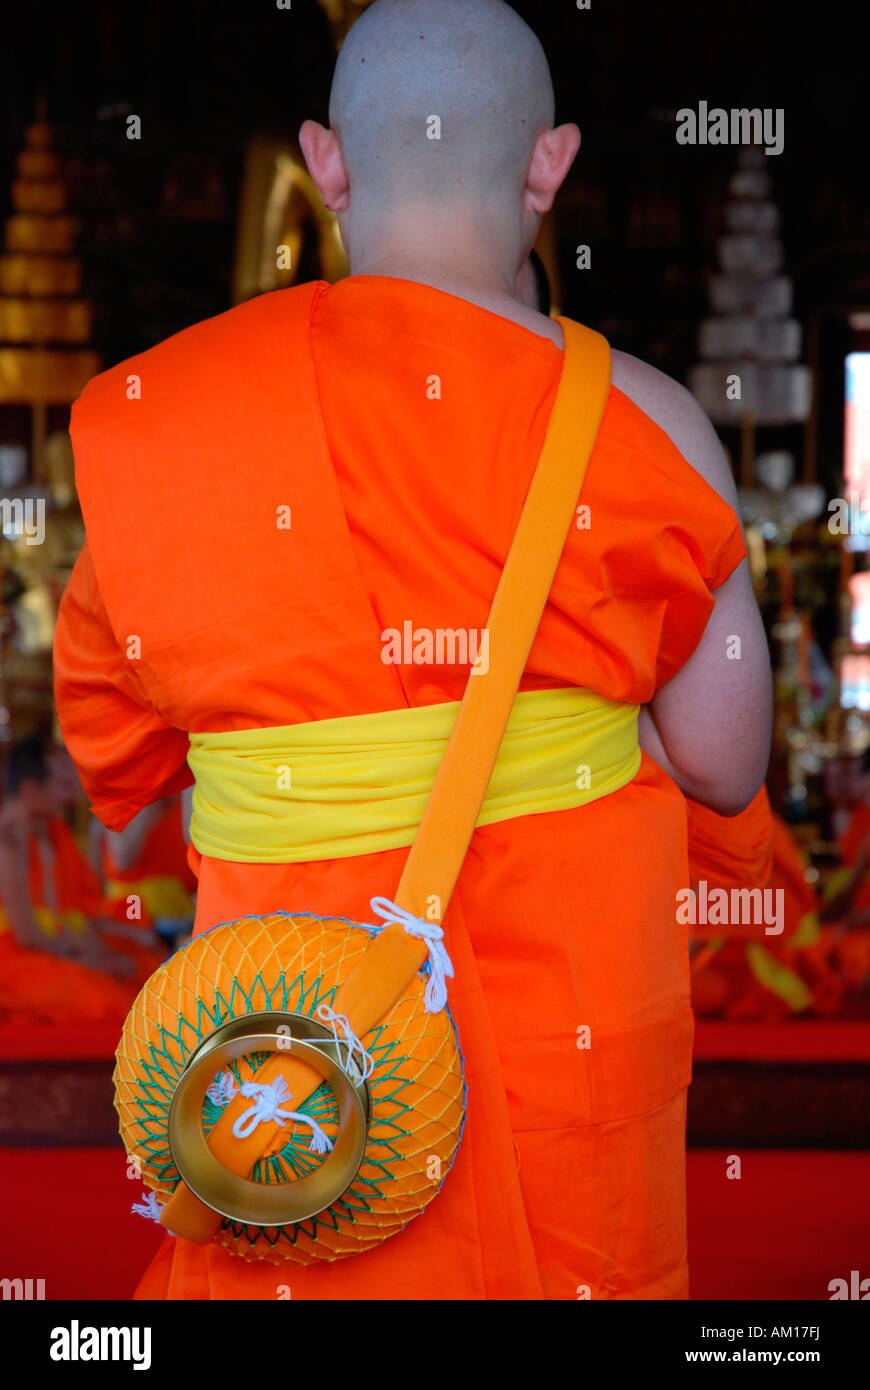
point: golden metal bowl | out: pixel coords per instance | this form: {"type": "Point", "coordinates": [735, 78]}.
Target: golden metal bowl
{"type": "Point", "coordinates": [268, 1204]}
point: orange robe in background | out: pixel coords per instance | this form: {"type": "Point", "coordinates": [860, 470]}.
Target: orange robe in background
{"type": "Point", "coordinates": [39, 987]}
{"type": "Point", "coordinates": [78, 890]}
{"type": "Point", "coordinates": [850, 843]}
{"type": "Point", "coordinates": [316, 399]}
{"type": "Point", "coordinates": [755, 850]}
{"type": "Point", "coordinates": [726, 852]}
{"type": "Point", "coordinates": [730, 851]}
{"type": "Point", "coordinates": [161, 866]}
{"type": "Point", "coordinates": [36, 987]}
{"type": "Point", "coordinates": [851, 951]}
{"type": "Point", "coordinates": [804, 948]}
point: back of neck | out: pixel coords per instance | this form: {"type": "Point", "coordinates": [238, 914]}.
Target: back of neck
{"type": "Point", "coordinates": [486, 285]}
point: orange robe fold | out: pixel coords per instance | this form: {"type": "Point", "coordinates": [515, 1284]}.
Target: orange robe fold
{"type": "Point", "coordinates": [297, 493]}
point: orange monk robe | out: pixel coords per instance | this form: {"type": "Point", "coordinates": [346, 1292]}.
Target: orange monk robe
{"type": "Point", "coordinates": [730, 851]}
{"type": "Point", "coordinates": [809, 946]}
{"type": "Point", "coordinates": [738, 970]}
{"type": "Point", "coordinates": [725, 852]}
{"type": "Point", "coordinates": [851, 950]}
{"type": "Point", "coordinates": [160, 873]}
{"type": "Point", "coordinates": [38, 986]}
{"type": "Point", "coordinates": [75, 895]}
{"type": "Point", "coordinates": [857, 834]}
{"type": "Point", "coordinates": [850, 842]}
{"type": "Point", "coordinates": [403, 508]}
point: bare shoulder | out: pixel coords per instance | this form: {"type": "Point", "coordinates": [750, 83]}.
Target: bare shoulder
{"type": "Point", "coordinates": [675, 410]}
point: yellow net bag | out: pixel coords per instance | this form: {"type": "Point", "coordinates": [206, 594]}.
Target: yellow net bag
{"type": "Point", "coordinates": [291, 966]}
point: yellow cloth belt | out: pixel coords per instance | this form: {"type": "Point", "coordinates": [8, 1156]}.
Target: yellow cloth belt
{"type": "Point", "coordinates": [341, 787]}
{"type": "Point", "coordinates": [161, 895]}
{"type": "Point", "coordinates": [50, 921]}
{"type": "Point", "coordinates": [776, 977]}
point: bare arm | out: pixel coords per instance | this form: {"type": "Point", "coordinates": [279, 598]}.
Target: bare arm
{"type": "Point", "coordinates": [710, 725]}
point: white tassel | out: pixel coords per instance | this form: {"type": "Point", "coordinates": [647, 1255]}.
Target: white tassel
{"type": "Point", "coordinates": [149, 1207]}
{"type": "Point", "coordinates": [223, 1090]}
{"type": "Point", "coordinates": [268, 1105]}
{"type": "Point", "coordinates": [439, 962]}
{"type": "Point", "coordinates": [349, 1038]}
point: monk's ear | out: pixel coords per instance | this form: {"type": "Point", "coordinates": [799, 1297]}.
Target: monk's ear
{"type": "Point", "coordinates": [554, 153]}
{"type": "Point", "coordinates": [325, 162]}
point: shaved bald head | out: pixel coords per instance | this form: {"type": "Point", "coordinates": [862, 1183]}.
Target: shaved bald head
{"type": "Point", "coordinates": [439, 100]}
{"type": "Point", "coordinates": [441, 157]}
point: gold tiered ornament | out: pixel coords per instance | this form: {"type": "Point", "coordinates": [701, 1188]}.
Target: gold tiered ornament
{"type": "Point", "coordinates": [44, 326]}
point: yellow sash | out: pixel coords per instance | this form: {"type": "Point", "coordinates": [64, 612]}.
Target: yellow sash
{"type": "Point", "coordinates": [50, 921]}
{"type": "Point", "coordinates": [162, 895]}
{"type": "Point", "coordinates": [336, 788]}
{"type": "Point", "coordinates": [776, 977]}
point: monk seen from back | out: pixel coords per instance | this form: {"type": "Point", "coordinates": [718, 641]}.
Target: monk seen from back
{"type": "Point", "coordinates": [190, 611]}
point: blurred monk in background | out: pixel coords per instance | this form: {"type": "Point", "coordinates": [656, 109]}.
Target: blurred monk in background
{"type": "Point", "coordinates": [147, 860]}
{"type": "Point", "coordinates": [55, 966]}
{"type": "Point", "coordinates": [809, 966]}
{"type": "Point", "coordinates": [195, 608]}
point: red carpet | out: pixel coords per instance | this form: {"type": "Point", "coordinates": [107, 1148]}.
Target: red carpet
{"type": "Point", "coordinates": [812, 1040]}
{"type": "Point", "coordinates": [34, 1042]}
{"type": "Point", "coordinates": [793, 1222]}
{"type": "Point", "coordinates": [67, 1219]}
